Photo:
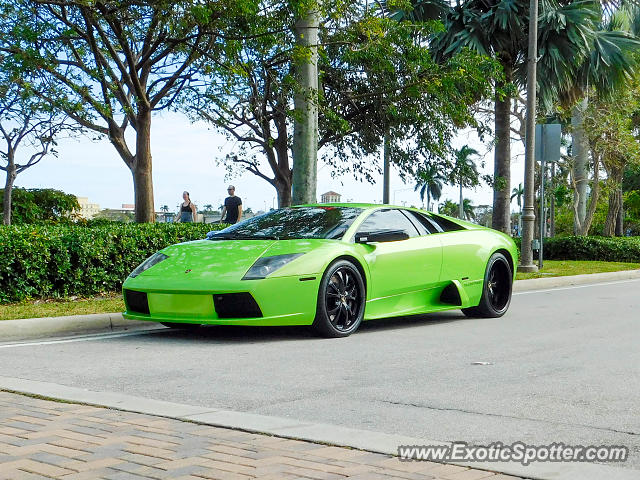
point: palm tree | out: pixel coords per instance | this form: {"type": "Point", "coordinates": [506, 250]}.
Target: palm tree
{"type": "Point", "coordinates": [448, 208]}
{"type": "Point", "coordinates": [430, 182]}
{"type": "Point", "coordinates": [500, 29]}
{"type": "Point", "coordinates": [164, 208]}
{"type": "Point", "coordinates": [208, 207]}
{"type": "Point", "coordinates": [464, 172]}
{"type": "Point", "coordinates": [468, 210]}
{"type": "Point", "coordinates": [518, 193]}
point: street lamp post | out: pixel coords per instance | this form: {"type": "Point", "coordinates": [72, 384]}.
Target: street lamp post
{"type": "Point", "coordinates": [528, 215]}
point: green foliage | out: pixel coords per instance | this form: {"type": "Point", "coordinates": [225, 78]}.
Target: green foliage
{"type": "Point", "coordinates": [610, 249]}
{"type": "Point", "coordinates": [33, 205]}
{"type": "Point", "coordinates": [61, 260]}
{"type": "Point", "coordinates": [377, 75]}
{"type": "Point", "coordinates": [606, 249]}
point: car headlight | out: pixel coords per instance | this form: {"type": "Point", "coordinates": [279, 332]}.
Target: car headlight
{"type": "Point", "coordinates": [267, 265]}
{"type": "Point", "coordinates": [148, 263]}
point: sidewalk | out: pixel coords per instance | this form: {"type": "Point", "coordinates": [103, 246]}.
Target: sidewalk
{"type": "Point", "coordinates": [41, 439]}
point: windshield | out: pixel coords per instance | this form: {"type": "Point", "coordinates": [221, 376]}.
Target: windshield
{"type": "Point", "coordinates": [300, 222]}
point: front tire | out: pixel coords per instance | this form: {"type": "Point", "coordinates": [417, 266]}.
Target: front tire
{"type": "Point", "coordinates": [496, 290]}
{"type": "Point", "coordinates": [341, 300]}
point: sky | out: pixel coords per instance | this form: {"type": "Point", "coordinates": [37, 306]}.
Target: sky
{"type": "Point", "coordinates": [184, 158]}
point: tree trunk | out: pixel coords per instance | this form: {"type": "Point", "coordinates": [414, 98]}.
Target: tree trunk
{"type": "Point", "coordinates": [284, 193]}
{"type": "Point", "coordinates": [142, 174]}
{"type": "Point", "coordinates": [461, 206]}
{"type": "Point", "coordinates": [502, 163]}
{"type": "Point", "coordinates": [615, 200]}
{"type": "Point", "coordinates": [580, 170]}
{"type": "Point", "coordinates": [595, 196]}
{"type": "Point", "coordinates": [386, 178]}
{"type": "Point", "coordinates": [8, 190]}
{"type": "Point", "coordinates": [620, 218]}
{"type": "Point", "coordinates": [305, 130]}
{"type": "Point", "coordinates": [552, 212]}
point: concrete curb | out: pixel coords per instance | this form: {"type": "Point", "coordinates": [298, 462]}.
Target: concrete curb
{"type": "Point", "coordinates": [571, 280]}
{"type": "Point", "coordinates": [300, 430]}
{"type": "Point", "coordinates": [32, 328]}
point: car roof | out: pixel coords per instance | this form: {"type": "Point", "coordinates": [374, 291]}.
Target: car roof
{"type": "Point", "coordinates": [366, 206]}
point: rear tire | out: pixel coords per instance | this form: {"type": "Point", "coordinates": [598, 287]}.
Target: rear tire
{"type": "Point", "coordinates": [341, 300]}
{"type": "Point", "coordinates": [496, 290]}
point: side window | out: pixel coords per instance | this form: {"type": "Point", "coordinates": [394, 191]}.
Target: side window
{"type": "Point", "coordinates": [389, 219]}
{"type": "Point", "coordinates": [446, 225]}
{"type": "Point", "coordinates": [424, 222]}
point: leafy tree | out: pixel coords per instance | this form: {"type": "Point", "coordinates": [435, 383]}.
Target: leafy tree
{"type": "Point", "coordinates": [613, 143]}
{"type": "Point", "coordinates": [35, 205]}
{"type": "Point", "coordinates": [110, 64]}
{"type": "Point", "coordinates": [26, 124]}
{"type": "Point", "coordinates": [376, 75]}
{"type": "Point", "coordinates": [452, 209]}
{"type": "Point", "coordinates": [465, 173]}
{"type": "Point", "coordinates": [500, 29]}
{"type": "Point", "coordinates": [429, 182]}
{"type": "Point", "coordinates": [609, 66]}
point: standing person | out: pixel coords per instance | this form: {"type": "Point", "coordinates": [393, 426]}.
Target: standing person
{"type": "Point", "coordinates": [232, 207]}
{"type": "Point", "coordinates": [187, 209]}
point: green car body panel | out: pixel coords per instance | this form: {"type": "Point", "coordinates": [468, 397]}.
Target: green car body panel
{"type": "Point", "coordinates": [401, 278]}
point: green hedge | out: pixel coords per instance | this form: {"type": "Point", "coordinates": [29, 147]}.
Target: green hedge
{"type": "Point", "coordinates": [607, 249]}
{"type": "Point", "coordinates": [62, 260]}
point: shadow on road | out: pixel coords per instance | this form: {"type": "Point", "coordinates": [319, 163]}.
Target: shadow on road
{"type": "Point", "coordinates": [242, 334]}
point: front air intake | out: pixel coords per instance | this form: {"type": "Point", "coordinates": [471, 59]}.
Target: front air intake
{"type": "Point", "coordinates": [236, 305]}
{"type": "Point", "coordinates": [136, 302]}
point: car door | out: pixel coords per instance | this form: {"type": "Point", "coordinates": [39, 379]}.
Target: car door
{"type": "Point", "coordinates": [402, 273]}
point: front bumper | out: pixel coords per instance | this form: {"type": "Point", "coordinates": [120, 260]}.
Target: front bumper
{"type": "Point", "coordinates": [281, 301]}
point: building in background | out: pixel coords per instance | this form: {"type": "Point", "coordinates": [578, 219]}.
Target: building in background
{"type": "Point", "coordinates": [88, 210]}
{"type": "Point", "coordinates": [330, 197]}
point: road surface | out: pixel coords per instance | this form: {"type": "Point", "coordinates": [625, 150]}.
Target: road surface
{"type": "Point", "coordinates": [562, 366]}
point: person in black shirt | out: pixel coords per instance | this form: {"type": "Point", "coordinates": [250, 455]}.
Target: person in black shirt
{"type": "Point", "coordinates": [232, 207]}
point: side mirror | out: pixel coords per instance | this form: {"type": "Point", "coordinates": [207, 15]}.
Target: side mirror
{"type": "Point", "coordinates": [381, 236]}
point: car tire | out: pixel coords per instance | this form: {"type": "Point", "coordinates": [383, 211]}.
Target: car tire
{"type": "Point", "coordinates": [181, 326]}
{"type": "Point", "coordinates": [341, 300]}
{"type": "Point", "coordinates": [496, 289]}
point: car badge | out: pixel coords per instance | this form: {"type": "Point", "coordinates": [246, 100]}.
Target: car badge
{"type": "Point", "coordinates": [187, 271]}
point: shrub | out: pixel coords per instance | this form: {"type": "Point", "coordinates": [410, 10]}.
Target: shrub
{"type": "Point", "coordinates": [60, 260]}
{"type": "Point", "coordinates": [607, 249]}
{"type": "Point", "coordinates": [41, 205]}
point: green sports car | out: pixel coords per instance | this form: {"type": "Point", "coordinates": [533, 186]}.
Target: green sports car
{"type": "Point", "coordinates": [331, 266]}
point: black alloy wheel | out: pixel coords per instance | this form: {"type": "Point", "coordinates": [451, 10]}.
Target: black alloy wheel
{"type": "Point", "coordinates": [496, 291]}
{"type": "Point", "coordinates": [341, 299]}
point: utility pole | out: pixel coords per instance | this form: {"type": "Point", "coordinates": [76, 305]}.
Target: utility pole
{"type": "Point", "coordinates": [529, 216]}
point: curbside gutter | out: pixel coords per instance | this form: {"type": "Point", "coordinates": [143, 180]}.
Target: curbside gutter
{"type": "Point", "coordinates": [34, 328]}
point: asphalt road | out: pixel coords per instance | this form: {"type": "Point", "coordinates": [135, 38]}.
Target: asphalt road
{"type": "Point", "coordinates": [564, 366]}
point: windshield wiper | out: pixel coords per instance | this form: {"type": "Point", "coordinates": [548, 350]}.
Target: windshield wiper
{"type": "Point", "coordinates": [232, 236]}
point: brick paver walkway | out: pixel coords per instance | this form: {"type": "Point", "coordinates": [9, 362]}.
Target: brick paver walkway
{"type": "Point", "coordinates": [44, 439]}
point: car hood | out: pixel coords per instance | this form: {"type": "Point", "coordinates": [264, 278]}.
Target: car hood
{"type": "Point", "coordinates": [217, 263]}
